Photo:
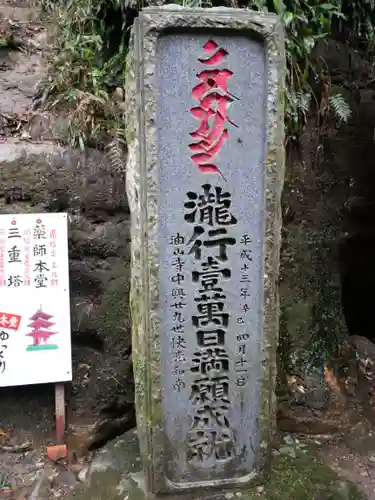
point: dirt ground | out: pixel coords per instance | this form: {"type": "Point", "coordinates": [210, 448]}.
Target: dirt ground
{"type": "Point", "coordinates": [351, 465]}
{"type": "Point", "coordinates": [26, 429]}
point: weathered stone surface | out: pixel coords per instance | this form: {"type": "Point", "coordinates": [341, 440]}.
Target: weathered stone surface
{"type": "Point", "coordinates": [47, 126]}
{"type": "Point", "coordinates": [310, 281]}
{"type": "Point", "coordinates": [19, 79]}
{"type": "Point", "coordinates": [20, 71]}
{"type": "Point", "coordinates": [326, 273]}
{"type": "Point", "coordinates": [143, 185]}
{"type": "Point", "coordinates": [45, 177]}
{"type": "Point", "coordinates": [20, 14]}
{"type": "Point", "coordinates": [115, 473]}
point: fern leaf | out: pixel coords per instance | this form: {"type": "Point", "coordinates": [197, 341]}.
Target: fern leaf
{"type": "Point", "coordinates": [340, 107]}
{"type": "Point", "coordinates": [116, 154]}
{"type": "Point", "coordinates": [303, 100]}
{"type": "Point", "coordinates": [196, 3]}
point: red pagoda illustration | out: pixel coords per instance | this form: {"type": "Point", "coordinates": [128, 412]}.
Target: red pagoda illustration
{"type": "Point", "coordinates": [40, 326]}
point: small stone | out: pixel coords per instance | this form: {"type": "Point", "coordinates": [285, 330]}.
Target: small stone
{"type": "Point", "coordinates": [65, 478]}
{"type": "Point", "coordinates": [25, 136]}
{"type": "Point", "coordinates": [82, 475]}
{"type": "Point", "coordinates": [259, 489]}
{"type": "Point", "coordinates": [229, 495]}
{"type": "Point", "coordinates": [118, 94]}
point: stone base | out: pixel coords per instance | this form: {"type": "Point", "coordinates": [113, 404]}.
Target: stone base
{"type": "Point", "coordinates": [116, 474]}
{"type": "Point", "coordinates": [299, 472]}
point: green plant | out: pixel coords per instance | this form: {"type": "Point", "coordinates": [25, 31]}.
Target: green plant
{"type": "Point", "coordinates": [86, 73]}
{"type": "Point", "coordinates": [340, 107]}
{"type": "Point", "coordinates": [306, 23]}
{"type": "Point", "coordinates": [89, 59]}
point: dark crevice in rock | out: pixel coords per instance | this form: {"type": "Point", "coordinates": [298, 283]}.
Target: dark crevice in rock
{"type": "Point", "coordinates": [96, 219]}
{"type": "Point", "coordinates": [118, 408]}
{"type": "Point", "coordinates": [91, 248]}
{"type": "Point", "coordinates": [357, 246]}
{"type": "Point", "coordinates": [60, 203]}
{"type": "Point", "coordinates": [88, 338]}
{"type": "Point", "coordinates": [101, 216]}
{"type": "Point", "coordinates": [110, 429]}
{"type": "Point", "coordinates": [116, 19]}
{"type": "Point", "coordinates": [16, 194]}
{"type": "Point", "coordinates": [358, 280]}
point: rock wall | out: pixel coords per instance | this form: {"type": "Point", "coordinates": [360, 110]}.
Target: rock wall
{"type": "Point", "coordinates": [315, 193]}
{"type": "Point", "coordinates": [327, 274]}
{"type": "Point", "coordinates": [39, 176]}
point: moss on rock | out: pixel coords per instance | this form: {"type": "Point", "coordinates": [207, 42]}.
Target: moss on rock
{"type": "Point", "coordinates": [113, 312]}
{"type": "Point", "coordinates": [304, 477]}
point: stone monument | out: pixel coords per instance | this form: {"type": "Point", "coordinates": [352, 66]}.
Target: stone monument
{"type": "Point", "coordinates": [204, 179]}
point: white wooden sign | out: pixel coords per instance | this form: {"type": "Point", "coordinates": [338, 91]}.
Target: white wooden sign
{"type": "Point", "coordinates": [35, 344]}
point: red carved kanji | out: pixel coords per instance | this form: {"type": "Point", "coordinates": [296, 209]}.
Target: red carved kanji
{"type": "Point", "coordinates": [214, 99]}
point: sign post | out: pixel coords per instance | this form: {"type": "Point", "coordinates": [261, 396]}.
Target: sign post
{"type": "Point", "coordinates": [35, 343]}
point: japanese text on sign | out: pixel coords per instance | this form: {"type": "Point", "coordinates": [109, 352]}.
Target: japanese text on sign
{"type": "Point", "coordinates": [34, 294]}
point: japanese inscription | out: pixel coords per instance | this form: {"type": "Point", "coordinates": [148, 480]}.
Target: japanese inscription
{"type": "Point", "coordinates": [204, 126]}
{"type": "Point", "coordinates": [243, 332]}
{"type": "Point", "coordinates": [211, 277]}
{"type": "Point", "coordinates": [204, 130]}
{"type": "Point", "coordinates": [30, 251]}
{"type": "Point", "coordinates": [177, 304]}
{"type": "Point", "coordinates": [4, 336]}
{"type": "Point", "coordinates": [8, 323]}
{"type": "Point", "coordinates": [209, 212]}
